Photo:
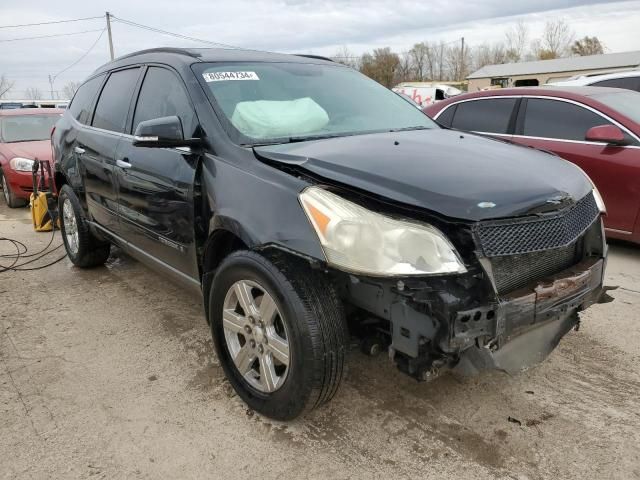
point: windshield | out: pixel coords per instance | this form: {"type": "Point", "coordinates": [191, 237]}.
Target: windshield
{"type": "Point", "coordinates": [627, 102]}
{"type": "Point", "coordinates": [282, 102]}
{"type": "Point", "coordinates": [25, 128]}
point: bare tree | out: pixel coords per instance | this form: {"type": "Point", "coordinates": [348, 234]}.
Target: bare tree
{"type": "Point", "coordinates": [5, 86]}
{"type": "Point", "coordinates": [458, 62]}
{"type": "Point", "coordinates": [347, 57]}
{"type": "Point", "coordinates": [404, 72]}
{"type": "Point", "coordinates": [381, 65]}
{"type": "Point", "coordinates": [487, 54]}
{"type": "Point", "coordinates": [33, 93]}
{"type": "Point", "coordinates": [556, 41]}
{"type": "Point", "coordinates": [587, 46]}
{"type": "Point", "coordinates": [69, 89]}
{"type": "Point", "coordinates": [516, 42]}
{"type": "Point", "coordinates": [436, 60]}
{"type": "Point", "coordinates": [420, 59]}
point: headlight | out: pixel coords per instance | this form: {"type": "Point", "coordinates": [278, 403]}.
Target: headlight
{"type": "Point", "coordinates": [596, 193]}
{"type": "Point", "coordinates": [599, 201]}
{"type": "Point", "coordinates": [358, 240]}
{"type": "Point", "coordinates": [21, 164]}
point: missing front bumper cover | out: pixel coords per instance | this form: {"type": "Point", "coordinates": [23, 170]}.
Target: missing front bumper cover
{"type": "Point", "coordinates": [529, 323]}
{"type": "Point", "coordinates": [443, 322]}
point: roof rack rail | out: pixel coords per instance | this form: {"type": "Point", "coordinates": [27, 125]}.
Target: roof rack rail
{"type": "Point", "coordinates": [179, 51]}
{"type": "Point", "coordinates": [317, 57]}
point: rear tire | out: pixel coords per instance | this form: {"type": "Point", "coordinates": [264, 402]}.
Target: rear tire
{"type": "Point", "coordinates": [83, 248]}
{"type": "Point", "coordinates": [312, 325]}
{"type": "Point", "coordinates": [9, 197]}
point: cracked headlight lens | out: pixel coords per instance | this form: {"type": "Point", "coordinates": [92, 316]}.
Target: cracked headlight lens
{"type": "Point", "coordinates": [361, 241]}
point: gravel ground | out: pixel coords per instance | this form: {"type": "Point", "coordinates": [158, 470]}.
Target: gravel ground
{"type": "Point", "coordinates": [110, 373]}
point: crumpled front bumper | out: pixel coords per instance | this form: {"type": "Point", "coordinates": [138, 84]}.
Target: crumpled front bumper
{"type": "Point", "coordinates": [528, 324]}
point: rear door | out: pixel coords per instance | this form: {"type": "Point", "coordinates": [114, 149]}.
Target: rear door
{"type": "Point", "coordinates": [96, 146]}
{"type": "Point", "coordinates": [155, 185]}
{"type": "Point", "coordinates": [560, 126]}
{"type": "Point", "coordinates": [490, 116]}
{"type": "Point", "coordinates": [65, 135]}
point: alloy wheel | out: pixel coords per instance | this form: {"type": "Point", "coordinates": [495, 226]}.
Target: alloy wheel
{"type": "Point", "coordinates": [5, 189]}
{"type": "Point", "coordinates": [256, 336]}
{"type": "Point", "coordinates": [70, 226]}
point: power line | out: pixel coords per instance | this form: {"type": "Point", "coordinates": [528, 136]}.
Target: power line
{"type": "Point", "coordinates": [165, 32]}
{"type": "Point", "coordinates": [49, 23]}
{"type": "Point", "coordinates": [82, 57]}
{"type": "Point", "coordinates": [49, 36]}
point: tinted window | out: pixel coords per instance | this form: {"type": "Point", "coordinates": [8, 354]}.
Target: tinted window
{"type": "Point", "coordinates": [490, 116]}
{"type": "Point", "coordinates": [113, 104]}
{"type": "Point", "coordinates": [556, 119]}
{"type": "Point", "coordinates": [446, 117]}
{"type": "Point", "coordinates": [83, 99]}
{"type": "Point", "coordinates": [162, 95]}
{"type": "Point", "coordinates": [630, 83]}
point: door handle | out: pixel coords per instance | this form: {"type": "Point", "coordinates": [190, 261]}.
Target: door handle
{"type": "Point", "coordinates": [79, 150]}
{"type": "Point", "coordinates": [123, 163]}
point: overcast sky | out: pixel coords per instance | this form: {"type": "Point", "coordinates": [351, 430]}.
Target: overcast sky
{"type": "Point", "coordinates": [302, 26]}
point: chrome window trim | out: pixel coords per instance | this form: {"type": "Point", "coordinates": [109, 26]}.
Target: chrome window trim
{"type": "Point", "coordinates": [126, 135]}
{"type": "Point", "coordinates": [547, 97]}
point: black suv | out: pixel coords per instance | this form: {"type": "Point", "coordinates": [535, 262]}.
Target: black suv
{"type": "Point", "coordinates": [310, 205]}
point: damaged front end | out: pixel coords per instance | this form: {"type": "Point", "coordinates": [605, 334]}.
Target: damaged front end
{"type": "Point", "coordinates": [527, 278]}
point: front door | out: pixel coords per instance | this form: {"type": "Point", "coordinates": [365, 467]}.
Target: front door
{"type": "Point", "coordinates": [155, 185]}
{"type": "Point", "coordinates": [560, 127]}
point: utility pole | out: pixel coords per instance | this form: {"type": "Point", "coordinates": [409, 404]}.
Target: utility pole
{"type": "Point", "coordinates": [51, 87]}
{"type": "Point", "coordinates": [462, 60]}
{"type": "Point", "coordinates": [108, 15]}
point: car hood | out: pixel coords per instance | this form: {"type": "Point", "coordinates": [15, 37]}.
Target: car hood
{"type": "Point", "coordinates": [40, 149]}
{"type": "Point", "coordinates": [455, 174]}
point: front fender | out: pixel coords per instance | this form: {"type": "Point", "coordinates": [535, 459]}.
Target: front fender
{"type": "Point", "coordinates": [259, 205]}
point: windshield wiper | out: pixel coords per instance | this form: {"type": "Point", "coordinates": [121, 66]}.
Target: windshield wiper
{"type": "Point", "coordinates": [306, 138]}
{"type": "Point", "coordinates": [405, 129]}
{"type": "Point", "coordinates": [323, 136]}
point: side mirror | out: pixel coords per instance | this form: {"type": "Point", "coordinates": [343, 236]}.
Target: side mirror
{"type": "Point", "coordinates": [609, 134]}
{"type": "Point", "coordinates": [163, 132]}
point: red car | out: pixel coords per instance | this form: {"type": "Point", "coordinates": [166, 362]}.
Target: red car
{"type": "Point", "coordinates": [25, 136]}
{"type": "Point", "coordinates": [597, 128]}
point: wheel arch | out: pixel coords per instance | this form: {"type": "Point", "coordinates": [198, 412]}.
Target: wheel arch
{"type": "Point", "coordinates": [59, 179]}
{"type": "Point", "coordinates": [220, 243]}
{"type": "Point", "coordinates": [223, 241]}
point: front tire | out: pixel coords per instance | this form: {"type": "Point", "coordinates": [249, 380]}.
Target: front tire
{"type": "Point", "coordinates": [279, 331]}
{"type": "Point", "coordinates": [10, 198]}
{"type": "Point", "coordinates": [83, 248]}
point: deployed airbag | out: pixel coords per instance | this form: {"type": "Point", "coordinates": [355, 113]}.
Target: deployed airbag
{"type": "Point", "coordinates": [273, 118]}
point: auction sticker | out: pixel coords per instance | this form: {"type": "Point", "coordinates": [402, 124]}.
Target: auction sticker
{"type": "Point", "coordinates": [223, 76]}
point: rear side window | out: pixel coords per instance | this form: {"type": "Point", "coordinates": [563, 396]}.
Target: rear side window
{"type": "Point", "coordinates": [491, 116]}
{"type": "Point", "coordinates": [556, 119]}
{"type": "Point", "coordinates": [163, 95]}
{"type": "Point", "coordinates": [629, 83]}
{"type": "Point", "coordinates": [80, 107]}
{"type": "Point", "coordinates": [113, 104]}
{"type": "Point", "coordinates": [446, 117]}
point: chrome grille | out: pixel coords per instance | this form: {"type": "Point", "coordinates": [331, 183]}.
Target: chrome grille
{"type": "Point", "coordinates": [536, 234]}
